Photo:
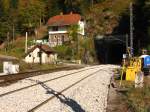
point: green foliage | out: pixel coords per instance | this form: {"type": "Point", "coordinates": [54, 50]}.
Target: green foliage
{"type": "Point", "coordinates": [137, 99]}
{"type": "Point", "coordinates": [102, 17]}
{"type": "Point", "coordinates": [20, 15]}
{"type": "Point", "coordinates": [86, 50]}
{"type": "Point", "coordinates": [4, 28]}
{"type": "Point", "coordinates": [54, 7]}
{"type": "Point", "coordinates": [64, 52]}
{"type": "Point", "coordinates": [24, 67]}
{"type": "Point", "coordinates": [16, 49]}
{"type": "Point", "coordinates": [74, 37]}
{"type": "Point", "coordinates": [73, 32]}
{"type": "Point", "coordinates": [5, 5]}
{"type": "Point", "coordinates": [30, 13]}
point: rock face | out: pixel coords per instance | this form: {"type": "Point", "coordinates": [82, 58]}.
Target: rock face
{"type": "Point", "coordinates": [90, 95]}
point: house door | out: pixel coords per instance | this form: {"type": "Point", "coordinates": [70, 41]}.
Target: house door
{"type": "Point", "coordinates": [40, 57]}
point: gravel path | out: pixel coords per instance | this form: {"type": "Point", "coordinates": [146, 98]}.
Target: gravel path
{"type": "Point", "coordinates": [88, 96]}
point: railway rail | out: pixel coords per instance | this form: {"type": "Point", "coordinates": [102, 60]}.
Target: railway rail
{"type": "Point", "coordinates": [17, 90]}
{"type": "Point", "coordinates": [11, 78]}
{"type": "Point", "coordinates": [62, 91]}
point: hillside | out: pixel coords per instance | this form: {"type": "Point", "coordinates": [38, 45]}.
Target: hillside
{"type": "Point", "coordinates": [17, 48]}
{"type": "Point", "coordinates": [104, 17]}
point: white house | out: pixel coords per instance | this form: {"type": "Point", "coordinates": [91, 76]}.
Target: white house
{"type": "Point", "coordinates": [41, 53]}
{"type": "Point", "coordinates": [58, 27]}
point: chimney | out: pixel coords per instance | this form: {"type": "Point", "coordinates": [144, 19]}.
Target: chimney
{"type": "Point", "coordinates": [61, 13]}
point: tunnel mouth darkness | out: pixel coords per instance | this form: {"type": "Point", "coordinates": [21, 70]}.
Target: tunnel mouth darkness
{"type": "Point", "coordinates": [109, 51]}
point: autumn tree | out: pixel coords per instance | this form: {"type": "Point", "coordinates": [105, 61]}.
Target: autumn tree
{"type": "Point", "coordinates": [74, 38]}
{"type": "Point", "coordinates": [31, 13]}
{"type": "Point", "coordinates": [4, 19]}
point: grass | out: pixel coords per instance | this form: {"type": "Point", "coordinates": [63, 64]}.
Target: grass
{"type": "Point", "coordinates": [137, 99]}
{"type": "Point", "coordinates": [31, 67]}
{"type": "Point", "coordinates": [27, 67]}
{"type": "Point", "coordinates": [16, 49]}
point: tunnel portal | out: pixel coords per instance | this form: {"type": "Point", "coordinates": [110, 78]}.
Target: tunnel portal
{"type": "Point", "coordinates": [110, 50]}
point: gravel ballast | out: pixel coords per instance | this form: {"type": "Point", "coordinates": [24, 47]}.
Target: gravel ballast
{"type": "Point", "coordinates": [90, 95]}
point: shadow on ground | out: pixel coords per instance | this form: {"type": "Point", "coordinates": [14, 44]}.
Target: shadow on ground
{"type": "Point", "coordinates": [62, 98]}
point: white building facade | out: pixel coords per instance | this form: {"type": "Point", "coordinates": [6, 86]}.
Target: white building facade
{"type": "Point", "coordinates": [37, 55]}
{"type": "Point", "coordinates": [59, 25]}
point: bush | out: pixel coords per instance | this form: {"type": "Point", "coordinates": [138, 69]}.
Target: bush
{"type": "Point", "coordinates": [64, 52]}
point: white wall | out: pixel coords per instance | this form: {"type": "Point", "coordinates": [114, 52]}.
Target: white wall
{"type": "Point", "coordinates": [9, 68]}
{"type": "Point", "coordinates": [57, 32]}
{"type": "Point", "coordinates": [52, 58]}
{"type": "Point", "coordinates": [35, 59]}
{"type": "Point", "coordinates": [61, 29]}
{"type": "Point", "coordinates": [81, 27]}
{"type": "Point", "coordinates": [64, 29]}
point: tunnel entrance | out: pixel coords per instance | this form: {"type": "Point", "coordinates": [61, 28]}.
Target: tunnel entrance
{"type": "Point", "coordinates": [109, 51]}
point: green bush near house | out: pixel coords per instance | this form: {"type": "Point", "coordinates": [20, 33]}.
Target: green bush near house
{"type": "Point", "coordinates": [64, 52]}
{"type": "Point", "coordinates": [85, 53]}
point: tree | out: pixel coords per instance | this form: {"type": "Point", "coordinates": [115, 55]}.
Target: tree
{"type": "Point", "coordinates": [53, 7]}
{"type": "Point", "coordinates": [5, 5]}
{"type": "Point", "coordinates": [4, 28]}
{"type": "Point", "coordinates": [4, 19]}
{"type": "Point", "coordinates": [73, 34]}
{"type": "Point", "coordinates": [72, 5]}
{"type": "Point", "coordinates": [141, 12]}
{"type": "Point", "coordinates": [31, 13]}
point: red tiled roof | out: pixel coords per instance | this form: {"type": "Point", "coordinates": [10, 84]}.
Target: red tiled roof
{"type": "Point", "coordinates": [62, 20]}
{"type": "Point", "coordinates": [46, 48]}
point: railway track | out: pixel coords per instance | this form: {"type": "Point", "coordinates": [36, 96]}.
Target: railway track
{"type": "Point", "coordinates": [60, 93]}
{"type": "Point", "coordinates": [17, 90]}
{"type": "Point", "coordinates": [11, 78]}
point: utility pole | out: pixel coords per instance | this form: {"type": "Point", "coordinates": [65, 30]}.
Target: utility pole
{"type": "Point", "coordinates": [127, 43]}
{"type": "Point", "coordinates": [26, 42]}
{"type": "Point", "coordinates": [8, 40]}
{"type": "Point", "coordinates": [36, 35]}
{"type": "Point", "coordinates": [13, 32]}
{"type": "Point", "coordinates": [131, 29]}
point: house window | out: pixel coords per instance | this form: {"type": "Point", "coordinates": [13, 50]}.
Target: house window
{"type": "Point", "coordinates": [55, 28]}
{"type": "Point", "coordinates": [55, 37]}
{"type": "Point", "coordinates": [29, 55]}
